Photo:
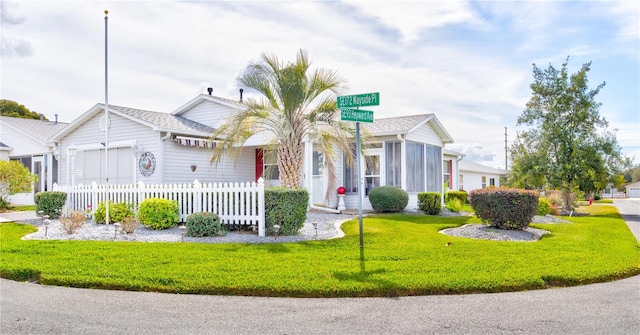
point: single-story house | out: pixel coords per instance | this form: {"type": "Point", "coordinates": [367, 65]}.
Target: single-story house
{"type": "Point", "coordinates": [633, 190]}
{"type": "Point", "coordinates": [28, 141]}
{"type": "Point", "coordinates": [155, 147]}
{"type": "Point", "coordinates": [473, 176]}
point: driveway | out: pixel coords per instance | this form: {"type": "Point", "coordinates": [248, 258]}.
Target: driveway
{"type": "Point", "coordinates": [606, 308]}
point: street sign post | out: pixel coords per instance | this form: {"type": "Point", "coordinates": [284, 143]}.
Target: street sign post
{"type": "Point", "coordinates": [358, 115]}
{"type": "Point", "coordinates": [359, 100]}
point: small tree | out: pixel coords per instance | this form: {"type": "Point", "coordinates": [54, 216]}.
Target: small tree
{"type": "Point", "coordinates": [14, 178]}
{"type": "Point", "coordinates": [567, 146]}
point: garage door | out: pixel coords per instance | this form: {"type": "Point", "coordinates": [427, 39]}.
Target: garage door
{"type": "Point", "coordinates": [633, 192]}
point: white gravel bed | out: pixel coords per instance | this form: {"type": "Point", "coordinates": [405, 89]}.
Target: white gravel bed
{"type": "Point", "coordinates": [328, 227]}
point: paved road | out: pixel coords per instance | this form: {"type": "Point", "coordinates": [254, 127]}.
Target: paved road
{"type": "Point", "coordinates": [607, 308]}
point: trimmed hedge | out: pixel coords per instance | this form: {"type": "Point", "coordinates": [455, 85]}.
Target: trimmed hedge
{"type": "Point", "coordinates": [461, 195]}
{"type": "Point", "coordinates": [286, 208]}
{"type": "Point", "coordinates": [50, 203]}
{"type": "Point", "coordinates": [388, 199]}
{"type": "Point", "coordinates": [430, 202]}
{"type": "Point", "coordinates": [505, 208]}
{"type": "Point", "coordinates": [204, 224]}
{"type": "Point", "coordinates": [117, 212]}
{"type": "Point", "coordinates": [157, 213]}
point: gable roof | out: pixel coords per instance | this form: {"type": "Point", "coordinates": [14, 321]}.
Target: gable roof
{"type": "Point", "coordinates": [157, 121]}
{"type": "Point", "coordinates": [636, 184]}
{"type": "Point", "coordinates": [37, 130]}
{"type": "Point", "coordinates": [401, 125]}
{"type": "Point", "coordinates": [475, 167]}
{"type": "Point", "coordinates": [204, 97]}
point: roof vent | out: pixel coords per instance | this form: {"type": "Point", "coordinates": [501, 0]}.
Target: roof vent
{"type": "Point", "coordinates": [56, 119]}
{"type": "Point", "coordinates": [210, 90]}
{"type": "Point", "coordinates": [241, 90]}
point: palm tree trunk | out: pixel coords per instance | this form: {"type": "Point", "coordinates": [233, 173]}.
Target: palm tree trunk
{"type": "Point", "coordinates": [290, 158]}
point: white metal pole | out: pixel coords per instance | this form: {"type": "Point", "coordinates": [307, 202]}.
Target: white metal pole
{"type": "Point", "coordinates": [107, 124]}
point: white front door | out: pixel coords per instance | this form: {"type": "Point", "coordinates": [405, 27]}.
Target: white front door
{"type": "Point", "coordinates": [37, 168]}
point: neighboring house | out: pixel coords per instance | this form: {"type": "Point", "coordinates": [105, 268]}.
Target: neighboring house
{"type": "Point", "coordinates": [473, 176]}
{"type": "Point", "coordinates": [27, 141]}
{"type": "Point", "coordinates": [155, 147]}
{"type": "Point", "coordinates": [633, 190]}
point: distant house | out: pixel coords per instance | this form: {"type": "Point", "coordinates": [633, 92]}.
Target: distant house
{"type": "Point", "coordinates": [633, 190]}
{"type": "Point", "coordinates": [473, 176]}
{"type": "Point", "coordinates": [156, 147]}
{"type": "Point", "coordinates": [28, 141]}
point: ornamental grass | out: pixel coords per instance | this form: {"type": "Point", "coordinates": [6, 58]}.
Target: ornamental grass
{"type": "Point", "coordinates": [403, 255]}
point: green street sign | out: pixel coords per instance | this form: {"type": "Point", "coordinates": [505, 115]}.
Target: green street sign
{"type": "Point", "coordinates": [359, 100]}
{"type": "Point", "coordinates": [356, 115]}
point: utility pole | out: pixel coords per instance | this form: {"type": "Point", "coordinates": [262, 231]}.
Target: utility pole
{"type": "Point", "coordinates": [505, 149]}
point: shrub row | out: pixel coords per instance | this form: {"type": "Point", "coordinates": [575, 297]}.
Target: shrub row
{"type": "Point", "coordinates": [388, 199]}
{"type": "Point", "coordinates": [430, 202]}
{"type": "Point", "coordinates": [460, 195]}
{"type": "Point", "coordinates": [505, 208]}
{"type": "Point", "coordinates": [286, 208]}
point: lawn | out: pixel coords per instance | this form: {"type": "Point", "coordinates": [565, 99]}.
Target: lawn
{"type": "Point", "coordinates": [403, 255]}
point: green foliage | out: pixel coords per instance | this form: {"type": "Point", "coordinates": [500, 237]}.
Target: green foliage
{"type": "Point", "coordinates": [204, 224]}
{"type": "Point", "coordinates": [388, 199]}
{"type": "Point", "coordinates": [544, 207]}
{"type": "Point", "coordinates": [567, 145]}
{"type": "Point", "coordinates": [50, 203]}
{"type": "Point", "coordinates": [13, 109]}
{"type": "Point", "coordinates": [505, 208]}
{"type": "Point", "coordinates": [405, 255]}
{"type": "Point", "coordinates": [461, 195]}
{"type": "Point", "coordinates": [454, 205]}
{"type": "Point", "coordinates": [286, 208]}
{"type": "Point", "coordinates": [157, 213]}
{"type": "Point", "coordinates": [117, 212]}
{"type": "Point", "coordinates": [296, 102]}
{"type": "Point", "coordinates": [430, 202]}
{"type": "Point", "coordinates": [14, 178]}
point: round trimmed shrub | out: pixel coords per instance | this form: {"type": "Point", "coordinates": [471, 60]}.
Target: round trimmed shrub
{"type": "Point", "coordinates": [117, 212]}
{"type": "Point", "coordinates": [505, 208]}
{"type": "Point", "coordinates": [544, 207]}
{"type": "Point", "coordinates": [388, 199]}
{"type": "Point", "coordinates": [204, 224]}
{"type": "Point", "coordinates": [157, 214]}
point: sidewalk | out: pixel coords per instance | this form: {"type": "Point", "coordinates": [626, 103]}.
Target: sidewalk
{"type": "Point", "coordinates": [27, 216]}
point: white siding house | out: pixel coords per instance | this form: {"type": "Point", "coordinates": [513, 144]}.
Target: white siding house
{"type": "Point", "coordinates": [27, 141]}
{"type": "Point", "coordinates": [473, 176]}
{"type": "Point", "coordinates": [154, 147]}
{"type": "Point", "coordinates": [633, 190]}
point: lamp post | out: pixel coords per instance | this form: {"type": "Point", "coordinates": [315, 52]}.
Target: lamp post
{"type": "Point", "coordinates": [72, 155]}
{"type": "Point", "coordinates": [276, 229]}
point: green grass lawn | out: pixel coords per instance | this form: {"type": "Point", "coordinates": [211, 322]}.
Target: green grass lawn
{"type": "Point", "coordinates": [403, 255]}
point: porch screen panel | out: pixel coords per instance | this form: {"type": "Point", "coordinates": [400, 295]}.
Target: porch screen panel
{"type": "Point", "coordinates": [415, 167]}
{"type": "Point", "coordinates": [393, 166]}
{"type": "Point", "coordinates": [434, 169]}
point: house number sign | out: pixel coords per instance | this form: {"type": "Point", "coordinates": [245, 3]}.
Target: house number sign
{"type": "Point", "coordinates": [147, 164]}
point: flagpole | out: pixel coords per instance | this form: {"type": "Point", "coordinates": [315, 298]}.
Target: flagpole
{"type": "Point", "coordinates": [107, 124]}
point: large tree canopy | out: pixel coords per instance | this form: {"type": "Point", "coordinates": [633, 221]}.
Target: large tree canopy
{"type": "Point", "coordinates": [14, 109]}
{"type": "Point", "coordinates": [296, 104]}
{"type": "Point", "coordinates": [567, 145]}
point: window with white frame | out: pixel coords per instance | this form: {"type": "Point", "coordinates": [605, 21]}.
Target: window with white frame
{"type": "Point", "coordinates": [271, 170]}
{"type": "Point", "coordinates": [492, 181]}
{"type": "Point", "coordinates": [415, 167]}
{"type": "Point", "coordinates": [460, 183]}
{"type": "Point", "coordinates": [446, 174]}
{"type": "Point", "coordinates": [393, 167]}
{"type": "Point", "coordinates": [484, 181]}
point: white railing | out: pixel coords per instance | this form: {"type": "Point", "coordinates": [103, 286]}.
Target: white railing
{"type": "Point", "coordinates": [235, 203]}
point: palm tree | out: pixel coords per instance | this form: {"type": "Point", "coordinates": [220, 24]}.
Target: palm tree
{"type": "Point", "coordinates": [296, 105]}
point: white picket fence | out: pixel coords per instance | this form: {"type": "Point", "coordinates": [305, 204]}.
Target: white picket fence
{"type": "Point", "coordinates": [235, 203]}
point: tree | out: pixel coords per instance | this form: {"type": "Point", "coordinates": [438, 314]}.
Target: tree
{"type": "Point", "coordinates": [296, 104]}
{"type": "Point", "coordinates": [14, 178]}
{"type": "Point", "coordinates": [567, 145]}
{"type": "Point", "coordinates": [14, 109]}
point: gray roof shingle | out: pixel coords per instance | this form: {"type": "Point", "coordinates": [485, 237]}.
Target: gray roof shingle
{"type": "Point", "coordinates": [40, 130]}
{"type": "Point", "coordinates": [165, 121]}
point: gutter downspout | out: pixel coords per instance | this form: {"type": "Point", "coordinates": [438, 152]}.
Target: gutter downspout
{"type": "Point", "coordinates": [162, 162]}
{"type": "Point", "coordinates": [325, 209]}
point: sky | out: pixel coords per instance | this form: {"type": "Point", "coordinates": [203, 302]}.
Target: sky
{"type": "Point", "coordinates": [470, 63]}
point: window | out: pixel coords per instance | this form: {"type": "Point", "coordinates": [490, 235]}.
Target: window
{"type": "Point", "coordinates": [318, 163]}
{"type": "Point", "coordinates": [371, 173]}
{"type": "Point", "coordinates": [415, 167]}
{"type": "Point", "coordinates": [484, 181]}
{"type": "Point", "coordinates": [492, 181]}
{"type": "Point", "coordinates": [393, 157]}
{"type": "Point", "coordinates": [446, 175]}
{"type": "Point", "coordinates": [271, 166]}
{"type": "Point", "coordinates": [350, 176]}
{"type": "Point", "coordinates": [460, 183]}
